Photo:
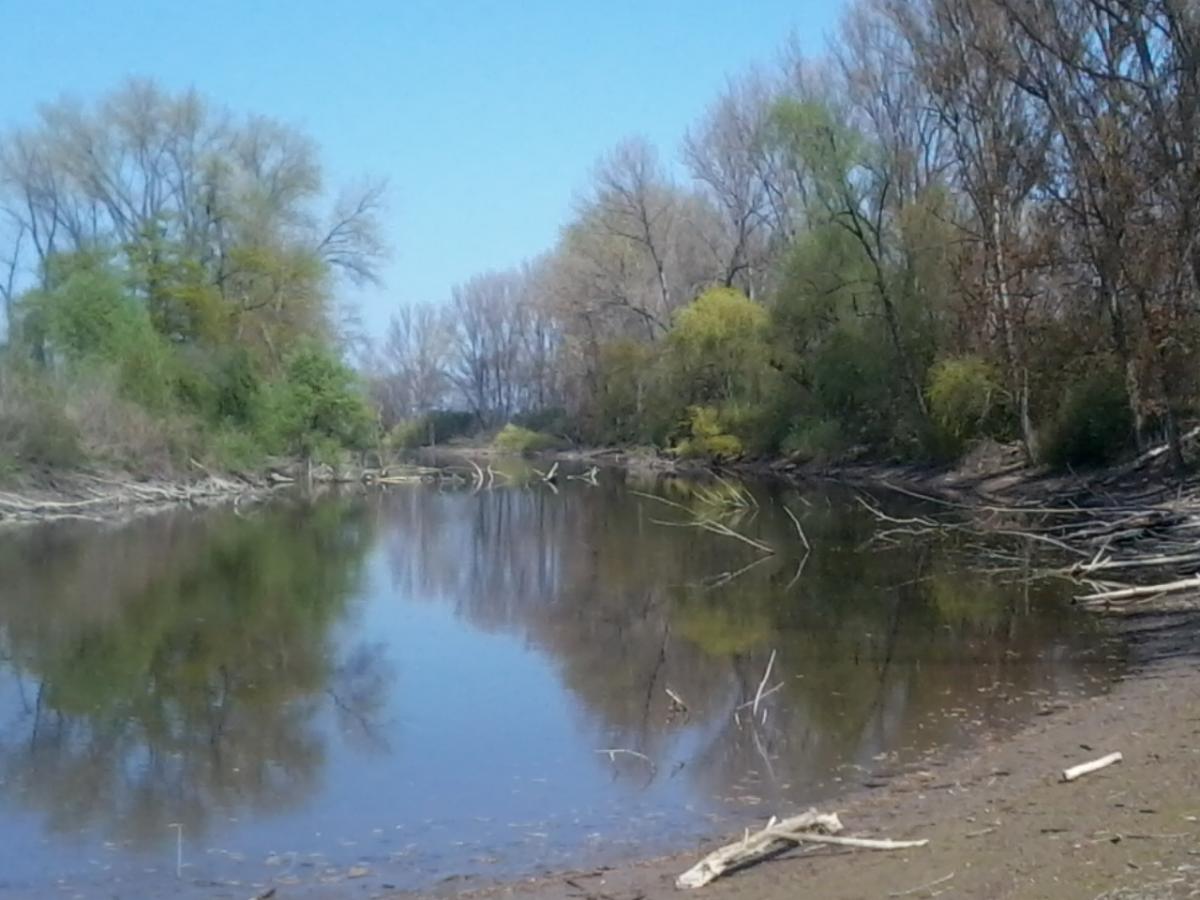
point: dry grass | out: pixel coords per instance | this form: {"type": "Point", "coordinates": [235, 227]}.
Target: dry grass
{"type": "Point", "coordinates": [61, 421]}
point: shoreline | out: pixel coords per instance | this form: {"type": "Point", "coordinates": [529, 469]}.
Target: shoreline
{"type": "Point", "coordinates": [996, 815]}
{"type": "Point", "coordinates": [107, 496]}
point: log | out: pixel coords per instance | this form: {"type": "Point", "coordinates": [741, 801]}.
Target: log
{"type": "Point", "coordinates": [808, 827]}
{"type": "Point", "coordinates": [1094, 766]}
{"type": "Point", "coordinates": [1146, 590]}
{"type": "Point", "coordinates": [754, 847]}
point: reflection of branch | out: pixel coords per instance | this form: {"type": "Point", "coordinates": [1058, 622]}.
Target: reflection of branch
{"type": "Point", "coordinates": [762, 684]}
{"type": "Point", "coordinates": [364, 723]}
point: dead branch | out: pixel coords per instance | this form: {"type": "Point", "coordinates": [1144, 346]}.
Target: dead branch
{"type": "Point", "coordinates": [777, 836]}
{"type": "Point", "coordinates": [1170, 587]}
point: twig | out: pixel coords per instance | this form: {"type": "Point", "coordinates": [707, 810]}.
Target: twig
{"type": "Point", "coordinates": [923, 887]}
{"type": "Point", "coordinates": [762, 684]}
{"type": "Point", "coordinates": [763, 696]}
{"type": "Point", "coordinates": [799, 528]}
{"type": "Point", "coordinates": [676, 699]}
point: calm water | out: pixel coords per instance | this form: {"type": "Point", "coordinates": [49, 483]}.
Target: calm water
{"type": "Point", "coordinates": [397, 688]}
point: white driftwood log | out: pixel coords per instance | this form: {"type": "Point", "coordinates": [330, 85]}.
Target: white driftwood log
{"type": "Point", "coordinates": [755, 846]}
{"type": "Point", "coordinates": [1094, 766]}
{"type": "Point", "coordinates": [809, 827]}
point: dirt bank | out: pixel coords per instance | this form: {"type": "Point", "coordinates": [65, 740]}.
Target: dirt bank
{"type": "Point", "coordinates": [999, 822]}
{"type": "Point", "coordinates": [106, 496]}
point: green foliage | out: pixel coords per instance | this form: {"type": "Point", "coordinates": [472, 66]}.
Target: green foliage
{"type": "Point", "coordinates": [1093, 424]}
{"type": "Point", "coordinates": [967, 402]}
{"type": "Point", "coordinates": [436, 427]}
{"type": "Point", "coordinates": [815, 440]}
{"type": "Point", "coordinates": [517, 440]}
{"type": "Point", "coordinates": [708, 438]}
{"type": "Point", "coordinates": [235, 449]}
{"type": "Point", "coordinates": [408, 434]}
{"type": "Point", "coordinates": [552, 420]}
{"type": "Point", "coordinates": [89, 317]}
{"type": "Point", "coordinates": [316, 407]}
{"type": "Point", "coordinates": [718, 347]}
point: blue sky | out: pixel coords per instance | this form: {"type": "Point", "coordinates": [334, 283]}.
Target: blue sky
{"type": "Point", "coordinates": [484, 117]}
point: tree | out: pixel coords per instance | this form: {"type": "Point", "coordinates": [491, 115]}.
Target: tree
{"type": "Point", "coordinates": [318, 406]}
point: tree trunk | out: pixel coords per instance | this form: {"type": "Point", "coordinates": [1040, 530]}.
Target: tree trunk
{"type": "Point", "coordinates": [1018, 373]}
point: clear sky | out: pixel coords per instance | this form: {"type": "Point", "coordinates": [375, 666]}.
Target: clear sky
{"type": "Point", "coordinates": [484, 117]}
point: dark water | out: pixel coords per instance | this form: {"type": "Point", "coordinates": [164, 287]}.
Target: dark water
{"type": "Point", "coordinates": [396, 688]}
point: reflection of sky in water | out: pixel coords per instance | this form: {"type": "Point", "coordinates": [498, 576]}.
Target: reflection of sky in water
{"type": "Point", "coordinates": [493, 644]}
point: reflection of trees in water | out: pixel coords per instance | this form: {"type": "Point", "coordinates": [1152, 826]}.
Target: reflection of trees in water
{"type": "Point", "coordinates": [872, 644]}
{"type": "Point", "coordinates": [170, 670]}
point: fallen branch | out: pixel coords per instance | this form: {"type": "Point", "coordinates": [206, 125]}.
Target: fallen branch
{"type": "Point", "coordinates": [863, 843]}
{"type": "Point", "coordinates": [752, 848]}
{"type": "Point", "coordinates": [1145, 590]}
{"type": "Point", "coordinates": [808, 827]}
{"type": "Point", "coordinates": [1087, 768]}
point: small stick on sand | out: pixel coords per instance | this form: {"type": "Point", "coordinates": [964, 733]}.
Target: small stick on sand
{"type": "Point", "coordinates": [1087, 768]}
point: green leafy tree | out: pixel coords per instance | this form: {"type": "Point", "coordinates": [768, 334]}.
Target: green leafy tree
{"type": "Point", "coordinates": [317, 406]}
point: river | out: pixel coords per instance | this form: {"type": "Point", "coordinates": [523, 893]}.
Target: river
{"type": "Point", "coordinates": [396, 688]}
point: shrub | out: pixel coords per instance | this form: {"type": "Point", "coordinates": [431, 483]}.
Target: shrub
{"type": "Point", "coordinates": [708, 438]}
{"type": "Point", "coordinates": [966, 401]}
{"type": "Point", "coordinates": [515, 439]}
{"type": "Point", "coordinates": [434, 427]}
{"type": "Point", "coordinates": [551, 420]}
{"type": "Point", "coordinates": [1093, 425]}
{"type": "Point", "coordinates": [316, 407]}
{"type": "Point", "coordinates": [448, 424]}
{"type": "Point", "coordinates": [815, 440]}
{"type": "Point", "coordinates": [34, 427]}
{"type": "Point", "coordinates": [234, 449]}
{"type": "Point", "coordinates": [116, 430]}
{"type": "Point", "coordinates": [408, 435]}
{"type": "Point", "coordinates": [717, 346]}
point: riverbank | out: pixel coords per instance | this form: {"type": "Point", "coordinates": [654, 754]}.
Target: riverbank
{"type": "Point", "coordinates": [105, 495]}
{"type": "Point", "coordinates": [998, 821]}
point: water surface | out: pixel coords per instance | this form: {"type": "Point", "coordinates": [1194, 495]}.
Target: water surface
{"type": "Point", "coordinates": [395, 688]}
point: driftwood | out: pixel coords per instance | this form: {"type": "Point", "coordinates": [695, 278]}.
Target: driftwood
{"type": "Point", "coordinates": [1094, 766]}
{"type": "Point", "coordinates": [1144, 590]}
{"type": "Point", "coordinates": [777, 836]}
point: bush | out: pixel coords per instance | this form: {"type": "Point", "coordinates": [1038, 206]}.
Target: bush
{"type": "Point", "coordinates": [515, 439]}
{"type": "Point", "coordinates": [815, 440]}
{"type": "Point", "coordinates": [434, 427]}
{"type": "Point", "coordinates": [1093, 425]}
{"type": "Point", "coordinates": [448, 424]}
{"type": "Point", "coordinates": [234, 449]}
{"type": "Point", "coordinates": [708, 438]}
{"type": "Point", "coordinates": [551, 420]}
{"type": "Point", "coordinates": [966, 402]}
{"type": "Point", "coordinates": [316, 408]}
{"type": "Point", "coordinates": [408, 435]}
{"type": "Point", "coordinates": [34, 427]}
{"type": "Point", "coordinates": [116, 430]}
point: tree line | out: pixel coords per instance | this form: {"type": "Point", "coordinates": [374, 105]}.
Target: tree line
{"type": "Point", "coordinates": [963, 221]}
{"type": "Point", "coordinates": [169, 274]}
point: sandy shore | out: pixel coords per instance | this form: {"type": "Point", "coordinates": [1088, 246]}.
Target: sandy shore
{"type": "Point", "coordinates": [1000, 824]}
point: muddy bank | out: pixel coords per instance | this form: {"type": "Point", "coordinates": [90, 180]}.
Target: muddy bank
{"type": "Point", "coordinates": [999, 822]}
{"type": "Point", "coordinates": [113, 496]}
